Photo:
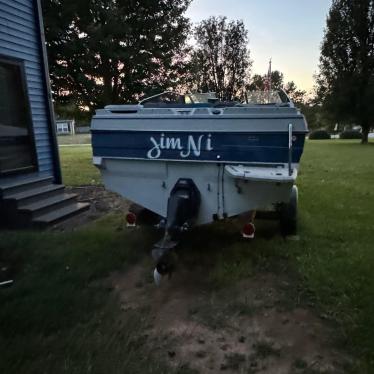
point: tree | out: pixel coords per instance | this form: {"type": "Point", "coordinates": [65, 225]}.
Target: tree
{"type": "Point", "coordinates": [114, 51]}
{"type": "Point", "coordinates": [220, 61]}
{"type": "Point", "coordinates": [258, 82]}
{"type": "Point", "coordinates": [346, 77]}
{"type": "Point", "coordinates": [296, 95]}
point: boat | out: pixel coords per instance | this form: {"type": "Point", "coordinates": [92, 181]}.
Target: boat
{"type": "Point", "coordinates": [192, 160]}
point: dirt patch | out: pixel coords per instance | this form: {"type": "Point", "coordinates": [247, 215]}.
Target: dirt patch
{"type": "Point", "coordinates": [252, 327]}
{"type": "Point", "coordinates": [101, 202]}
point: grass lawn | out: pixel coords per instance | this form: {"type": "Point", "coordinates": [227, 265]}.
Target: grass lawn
{"type": "Point", "coordinates": [77, 167]}
{"type": "Point", "coordinates": [58, 317]}
{"type": "Point", "coordinates": [74, 139]}
{"type": "Point", "coordinates": [335, 254]}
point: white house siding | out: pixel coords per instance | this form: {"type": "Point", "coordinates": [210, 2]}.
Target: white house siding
{"type": "Point", "coordinates": [20, 38]}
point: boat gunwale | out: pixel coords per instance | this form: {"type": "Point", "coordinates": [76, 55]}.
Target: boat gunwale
{"type": "Point", "coordinates": [121, 116]}
{"type": "Point", "coordinates": [249, 163]}
{"type": "Point", "coordinates": [239, 131]}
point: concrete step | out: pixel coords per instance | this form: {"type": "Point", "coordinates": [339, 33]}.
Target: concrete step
{"type": "Point", "coordinates": [43, 206]}
{"type": "Point", "coordinates": [31, 195]}
{"type": "Point", "coordinates": [60, 214]}
{"type": "Point", "coordinates": [16, 185]}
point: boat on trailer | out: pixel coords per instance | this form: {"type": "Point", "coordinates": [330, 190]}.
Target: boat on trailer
{"type": "Point", "coordinates": [192, 160]}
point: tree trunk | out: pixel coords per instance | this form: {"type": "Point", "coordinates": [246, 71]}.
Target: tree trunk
{"type": "Point", "coordinates": [108, 89]}
{"type": "Point", "coordinates": [365, 134]}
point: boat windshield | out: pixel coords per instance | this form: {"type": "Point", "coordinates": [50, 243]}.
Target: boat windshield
{"type": "Point", "coordinates": [200, 98]}
{"type": "Point", "coordinates": [170, 97]}
{"type": "Point", "coordinates": [267, 97]}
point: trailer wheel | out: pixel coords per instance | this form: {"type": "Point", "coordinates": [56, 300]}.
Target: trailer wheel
{"type": "Point", "coordinates": [288, 214]}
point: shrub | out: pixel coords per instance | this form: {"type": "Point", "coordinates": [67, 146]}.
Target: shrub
{"type": "Point", "coordinates": [319, 135]}
{"type": "Point", "coordinates": [350, 134]}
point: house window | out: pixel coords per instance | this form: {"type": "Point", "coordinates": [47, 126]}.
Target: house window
{"type": "Point", "coordinates": [63, 128]}
{"type": "Point", "coordinates": [17, 152]}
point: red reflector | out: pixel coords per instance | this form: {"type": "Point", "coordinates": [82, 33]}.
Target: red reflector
{"type": "Point", "coordinates": [248, 229]}
{"type": "Point", "coordinates": [131, 218]}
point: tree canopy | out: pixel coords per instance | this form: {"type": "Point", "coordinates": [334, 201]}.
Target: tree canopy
{"type": "Point", "coordinates": [220, 61]}
{"type": "Point", "coordinates": [346, 78]}
{"type": "Point", "coordinates": [297, 96]}
{"type": "Point", "coordinates": [258, 82]}
{"type": "Point", "coordinates": [105, 51]}
{"type": "Point", "coordinates": [116, 51]}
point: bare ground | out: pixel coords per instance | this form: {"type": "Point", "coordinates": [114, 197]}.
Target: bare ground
{"type": "Point", "coordinates": [248, 328]}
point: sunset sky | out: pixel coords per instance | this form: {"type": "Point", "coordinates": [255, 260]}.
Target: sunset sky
{"type": "Point", "coordinates": [288, 31]}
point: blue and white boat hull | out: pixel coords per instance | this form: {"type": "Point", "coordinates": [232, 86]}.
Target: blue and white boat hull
{"type": "Point", "coordinates": [240, 158]}
{"type": "Point", "coordinates": [150, 184]}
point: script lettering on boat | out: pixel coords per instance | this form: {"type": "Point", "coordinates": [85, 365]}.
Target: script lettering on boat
{"type": "Point", "coordinates": [193, 145]}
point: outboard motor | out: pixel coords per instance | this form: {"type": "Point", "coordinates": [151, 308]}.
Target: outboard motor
{"type": "Point", "coordinates": [183, 207]}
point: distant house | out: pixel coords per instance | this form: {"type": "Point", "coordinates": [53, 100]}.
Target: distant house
{"type": "Point", "coordinates": [65, 127]}
{"type": "Point", "coordinates": [30, 176]}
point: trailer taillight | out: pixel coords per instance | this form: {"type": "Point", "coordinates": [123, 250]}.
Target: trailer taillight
{"type": "Point", "coordinates": [131, 219]}
{"type": "Point", "coordinates": [248, 231]}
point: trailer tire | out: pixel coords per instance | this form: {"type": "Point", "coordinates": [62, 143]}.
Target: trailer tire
{"type": "Point", "coordinates": [288, 214]}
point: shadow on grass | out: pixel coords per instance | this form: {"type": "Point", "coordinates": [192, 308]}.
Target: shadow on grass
{"type": "Point", "coordinates": [221, 256]}
{"type": "Point", "coordinates": [57, 317]}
